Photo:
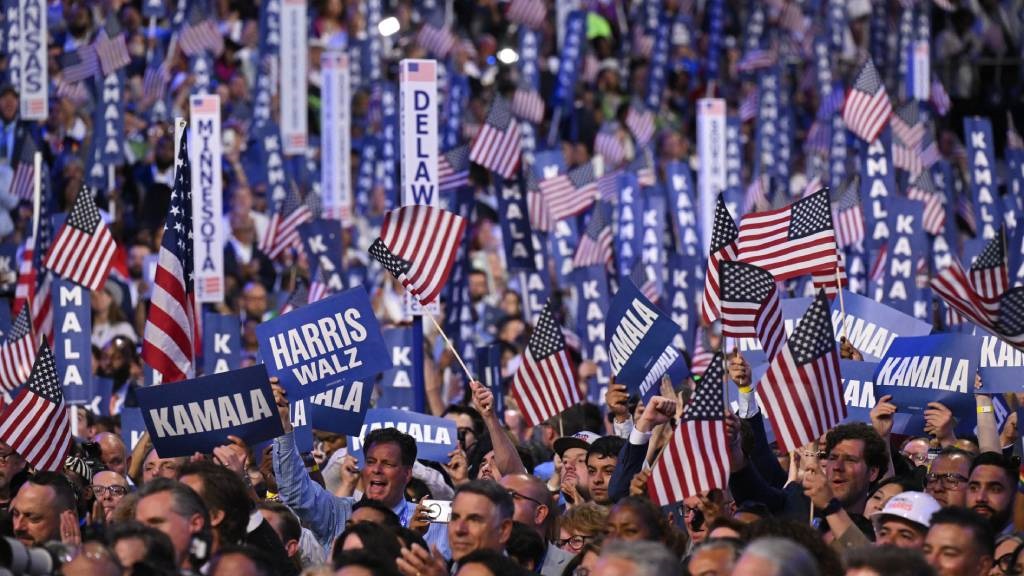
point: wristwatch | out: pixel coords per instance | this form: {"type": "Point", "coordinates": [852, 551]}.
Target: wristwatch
{"type": "Point", "coordinates": [834, 505]}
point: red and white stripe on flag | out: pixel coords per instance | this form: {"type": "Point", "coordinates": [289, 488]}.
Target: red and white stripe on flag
{"type": "Point", "coordinates": [83, 249]}
{"type": "Point", "coordinates": [867, 107]}
{"type": "Point", "coordinates": [802, 391]}
{"type": "Point", "coordinates": [17, 354]}
{"type": "Point", "coordinates": [697, 458]}
{"type": "Point", "coordinates": [545, 384]}
{"type": "Point", "coordinates": [791, 241]}
{"type": "Point", "coordinates": [36, 424]}
{"type": "Point", "coordinates": [419, 247]}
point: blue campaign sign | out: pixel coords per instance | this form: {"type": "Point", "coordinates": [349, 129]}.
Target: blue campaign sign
{"type": "Point", "coordinates": [877, 186]}
{"type": "Point", "coordinates": [322, 240]}
{"type": "Point", "coordinates": [397, 385]}
{"type": "Point", "coordinates": [132, 426]}
{"type": "Point", "coordinates": [72, 339]}
{"type": "Point", "coordinates": [683, 214]}
{"type": "Point", "coordinates": [591, 284]}
{"type": "Point", "coordinates": [858, 389]}
{"type": "Point", "coordinates": [639, 337]}
{"type": "Point", "coordinates": [222, 343]}
{"type": "Point", "coordinates": [100, 391]}
{"type": "Point", "coordinates": [435, 437]}
{"type": "Point", "coordinates": [5, 316]}
{"type": "Point", "coordinates": [907, 245]}
{"type": "Point", "coordinates": [872, 326]}
{"type": "Point", "coordinates": [320, 345]}
{"type": "Point", "coordinates": [488, 364]}
{"type": "Point", "coordinates": [938, 368]}
{"type": "Point", "coordinates": [197, 415]}
{"type": "Point", "coordinates": [340, 409]}
{"type": "Point", "coordinates": [515, 225]}
{"type": "Point", "coordinates": [982, 167]}
{"type": "Point", "coordinates": [1001, 366]}
{"type": "Point", "coordinates": [627, 230]}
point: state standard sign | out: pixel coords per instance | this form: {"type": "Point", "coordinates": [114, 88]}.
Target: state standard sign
{"type": "Point", "coordinates": [293, 65]}
{"type": "Point", "coordinates": [711, 156]}
{"type": "Point", "coordinates": [418, 110]}
{"type": "Point", "coordinates": [335, 117]}
{"type": "Point", "coordinates": [207, 198]}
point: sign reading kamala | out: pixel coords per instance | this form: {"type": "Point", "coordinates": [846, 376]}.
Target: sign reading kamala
{"type": "Point", "coordinates": [639, 340]}
{"type": "Point", "coordinates": [923, 369]}
{"type": "Point", "coordinates": [1000, 366]}
{"type": "Point", "coordinates": [335, 339]}
{"type": "Point", "coordinates": [872, 326]}
{"type": "Point", "coordinates": [197, 415]}
{"type": "Point", "coordinates": [435, 437]}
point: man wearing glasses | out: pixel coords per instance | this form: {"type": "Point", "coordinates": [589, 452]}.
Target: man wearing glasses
{"type": "Point", "coordinates": [108, 488]}
{"type": "Point", "coordinates": [947, 477]}
{"type": "Point", "coordinates": [533, 509]}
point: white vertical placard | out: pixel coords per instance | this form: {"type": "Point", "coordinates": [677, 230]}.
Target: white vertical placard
{"type": "Point", "coordinates": [335, 142]}
{"type": "Point", "coordinates": [205, 152]}
{"type": "Point", "coordinates": [33, 81]}
{"type": "Point", "coordinates": [921, 71]}
{"type": "Point", "coordinates": [293, 62]}
{"type": "Point", "coordinates": [418, 112]}
{"type": "Point", "coordinates": [711, 177]}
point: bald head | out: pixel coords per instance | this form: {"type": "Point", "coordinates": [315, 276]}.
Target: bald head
{"type": "Point", "coordinates": [532, 502]}
{"type": "Point", "coordinates": [113, 452]}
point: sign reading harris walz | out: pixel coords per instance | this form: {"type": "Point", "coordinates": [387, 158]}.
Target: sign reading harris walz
{"type": "Point", "coordinates": [321, 345]}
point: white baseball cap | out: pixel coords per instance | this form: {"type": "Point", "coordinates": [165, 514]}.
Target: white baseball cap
{"type": "Point", "coordinates": [578, 440]}
{"type": "Point", "coordinates": [916, 507]}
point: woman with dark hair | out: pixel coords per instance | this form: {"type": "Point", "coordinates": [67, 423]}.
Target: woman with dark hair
{"type": "Point", "coordinates": [636, 518]}
{"type": "Point", "coordinates": [378, 541]}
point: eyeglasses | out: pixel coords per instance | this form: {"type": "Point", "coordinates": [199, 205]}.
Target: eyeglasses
{"type": "Point", "coordinates": [1007, 563]}
{"type": "Point", "coordinates": [115, 491]}
{"type": "Point", "coordinates": [575, 543]}
{"type": "Point", "coordinates": [5, 458]}
{"type": "Point", "coordinates": [515, 494]}
{"type": "Point", "coordinates": [581, 571]}
{"type": "Point", "coordinates": [949, 481]}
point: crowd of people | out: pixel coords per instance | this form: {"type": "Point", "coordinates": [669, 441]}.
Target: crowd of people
{"type": "Point", "coordinates": [568, 496]}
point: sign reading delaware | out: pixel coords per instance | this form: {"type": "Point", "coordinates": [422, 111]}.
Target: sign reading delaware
{"type": "Point", "coordinates": [197, 415]}
{"type": "Point", "coordinates": [323, 344]}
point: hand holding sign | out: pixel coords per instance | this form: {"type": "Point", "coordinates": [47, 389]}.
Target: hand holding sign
{"type": "Point", "coordinates": [881, 415]}
{"type": "Point", "coordinates": [617, 398]}
{"type": "Point", "coordinates": [847, 351]}
{"type": "Point", "coordinates": [281, 401]}
{"type": "Point", "coordinates": [938, 422]}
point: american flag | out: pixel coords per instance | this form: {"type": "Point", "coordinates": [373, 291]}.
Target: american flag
{"type": "Point", "coordinates": [540, 216]}
{"type": "Point", "coordinates": [198, 37]}
{"type": "Point", "coordinates": [989, 273]}
{"type": "Point", "coordinates": [757, 193]}
{"type": "Point", "coordinates": [749, 105]}
{"type": "Point", "coordinates": [608, 145]}
{"type": "Point", "coordinates": [697, 458]}
{"type": "Point", "coordinates": [939, 98]}
{"type": "Point", "coordinates": [819, 138]}
{"type": "Point", "coordinates": [528, 105]}
{"type": "Point", "coordinates": [756, 59]}
{"type": "Point", "coordinates": [154, 81]}
{"type": "Point", "coordinates": [923, 189]}
{"type": "Point", "coordinates": [73, 91]}
{"type": "Point", "coordinates": [169, 336]}
{"type": "Point", "coordinates": [867, 106]}
{"type": "Point", "coordinates": [878, 268]}
{"type": "Point", "coordinates": [318, 288]}
{"type": "Point", "coordinates": [570, 194]}
{"type": "Point", "coordinates": [642, 166]}
{"type": "Point", "coordinates": [595, 246]}
{"type": "Point", "coordinates": [33, 279]}
{"type": "Point", "coordinates": [23, 181]}
{"type": "Point", "coordinates": [418, 245]}
{"type": "Point", "coordinates": [640, 122]}
{"type": "Point", "coordinates": [1002, 315]}
{"type": "Point", "coordinates": [83, 249]}
{"type": "Point", "coordinates": [36, 424]}
{"type": "Point", "coordinates": [929, 152]}
{"type": "Point", "coordinates": [112, 52]}
{"type": "Point", "coordinates": [790, 241]}
{"type": "Point", "coordinates": [498, 145]}
{"type": "Point", "coordinates": [453, 169]}
{"type": "Point", "coordinates": [298, 298]}
{"type": "Point", "coordinates": [608, 186]}
{"type": "Point", "coordinates": [529, 13]}
{"type": "Point", "coordinates": [848, 214]}
{"type": "Point", "coordinates": [17, 353]}
{"type": "Point", "coordinates": [436, 40]}
{"type": "Point", "coordinates": [1013, 139]}
{"type": "Point", "coordinates": [908, 125]}
{"type": "Point", "coordinates": [283, 229]}
{"type": "Point", "coordinates": [750, 306]}
{"type": "Point", "coordinates": [545, 383]}
{"type": "Point", "coordinates": [646, 282]}
{"type": "Point", "coordinates": [723, 248]}
{"type": "Point", "coordinates": [965, 210]}
{"type": "Point", "coordinates": [802, 392]}
{"type": "Point", "coordinates": [79, 65]}
{"type": "Point", "coordinates": [905, 157]}
{"type": "Point", "coordinates": [829, 280]}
